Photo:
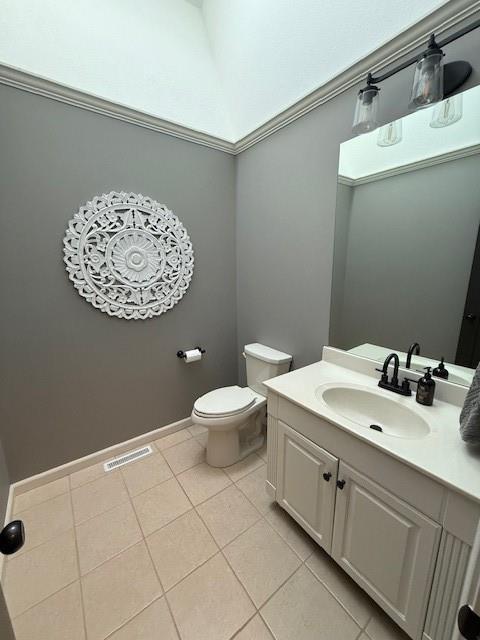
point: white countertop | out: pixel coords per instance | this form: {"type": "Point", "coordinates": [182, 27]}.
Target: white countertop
{"type": "Point", "coordinates": [441, 454]}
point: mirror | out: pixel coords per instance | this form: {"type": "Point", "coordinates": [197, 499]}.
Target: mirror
{"type": "Point", "coordinates": [407, 250]}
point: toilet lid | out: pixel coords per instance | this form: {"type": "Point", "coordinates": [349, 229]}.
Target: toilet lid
{"type": "Point", "coordinates": [226, 401]}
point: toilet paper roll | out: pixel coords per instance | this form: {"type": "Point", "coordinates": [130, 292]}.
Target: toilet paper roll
{"type": "Point", "coordinates": [193, 355]}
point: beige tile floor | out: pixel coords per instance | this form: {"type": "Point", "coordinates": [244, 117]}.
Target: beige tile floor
{"type": "Point", "coordinates": [170, 548]}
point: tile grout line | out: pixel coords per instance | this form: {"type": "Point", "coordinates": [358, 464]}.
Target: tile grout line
{"type": "Point", "coordinates": [240, 583]}
{"type": "Point", "coordinates": [242, 628]}
{"type": "Point", "coordinates": [113, 472]}
{"type": "Point", "coordinates": [79, 524]}
{"type": "Point", "coordinates": [303, 564]}
{"type": "Point", "coordinates": [124, 624]}
{"type": "Point", "coordinates": [139, 462]}
{"type": "Point", "coordinates": [164, 595]}
{"type": "Point", "coordinates": [69, 584]}
{"type": "Point", "coordinates": [283, 584]}
{"type": "Point", "coordinates": [237, 536]}
{"type": "Point", "coordinates": [334, 596]}
{"type": "Point", "coordinates": [18, 514]}
{"type": "Point", "coordinates": [286, 541]}
{"type": "Point", "coordinates": [179, 444]}
{"type": "Point", "coordinates": [118, 554]}
{"type": "Point", "coordinates": [218, 552]}
{"type": "Point", "coordinates": [37, 504]}
{"type": "Point", "coordinates": [80, 582]}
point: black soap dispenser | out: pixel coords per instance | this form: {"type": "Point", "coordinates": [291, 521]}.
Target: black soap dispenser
{"type": "Point", "coordinates": [426, 389]}
{"type": "Point", "coordinates": [441, 371]}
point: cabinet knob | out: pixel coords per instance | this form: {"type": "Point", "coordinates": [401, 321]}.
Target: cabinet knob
{"type": "Point", "coordinates": [327, 476]}
{"type": "Point", "coordinates": [340, 484]}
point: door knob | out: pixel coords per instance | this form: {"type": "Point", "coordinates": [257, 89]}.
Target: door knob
{"type": "Point", "coordinates": [340, 484]}
{"type": "Point", "coordinates": [327, 476]}
{"type": "Point", "coordinates": [12, 538]}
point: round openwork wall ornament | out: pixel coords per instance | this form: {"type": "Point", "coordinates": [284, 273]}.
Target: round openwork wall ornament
{"type": "Point", "coordinates": [128, 255]}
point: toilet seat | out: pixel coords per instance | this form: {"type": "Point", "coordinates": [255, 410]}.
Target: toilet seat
{"type": "Point", "coordinates": [224, 402]}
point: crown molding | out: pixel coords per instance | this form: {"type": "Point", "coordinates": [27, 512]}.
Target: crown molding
{"type": "Point", "coordinates": [456, 154]}
{"type": "Point", "coordinates": [32, 83]}
{"type": "Point", "coordinates": [441, 20]}
{"type": "Point", "coordinates": [348, 182]}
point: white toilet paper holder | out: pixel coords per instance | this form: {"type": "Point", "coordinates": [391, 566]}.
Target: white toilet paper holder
{"type": "Point", "coordinates": [181, 354]}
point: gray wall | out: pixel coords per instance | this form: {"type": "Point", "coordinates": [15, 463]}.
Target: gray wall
{"type": "Point", "coordinates": [286, 191]}
{"type": "Point", "coordinates": [343, 211]}
{"type": "Point", "coordinates": [4, 485]}
{"type": "Point", "coordinates": [6, 631]}
{"type": "Point", "coordinates": [411, 240]}
{"type": "Point", "coordinates": [73, 379]}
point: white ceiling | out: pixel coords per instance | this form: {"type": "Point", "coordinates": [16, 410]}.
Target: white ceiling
{"type": "Point", "coordinates": [223, 67]}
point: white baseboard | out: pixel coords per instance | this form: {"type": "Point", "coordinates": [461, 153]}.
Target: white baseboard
{"type": "Point", "coordinates": [22, 486]}
{"type": "Point", "coordinates": [8, 517]}
{"type": "Point", "coordinates": [270, 489]}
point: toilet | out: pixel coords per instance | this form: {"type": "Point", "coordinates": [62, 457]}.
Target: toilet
{"type": "Point", "coordinates": [236, 417]}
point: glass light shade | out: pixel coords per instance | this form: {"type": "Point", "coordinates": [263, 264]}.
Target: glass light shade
{"type": "Point", "coordinates": [390, 134]}
{"type": "Point", "coordinates": [447, 112]}
{"type": "Point", "coordinates": [428, 80]}
{"type": "Point", "coordinates": [366, 110]}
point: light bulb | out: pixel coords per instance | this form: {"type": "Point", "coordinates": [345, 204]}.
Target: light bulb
{"type": "Point", "coordinates": [390, 134]}
{"type": "Point", "coordinates": [447, 112]}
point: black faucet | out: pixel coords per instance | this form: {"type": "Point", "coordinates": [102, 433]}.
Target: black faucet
{"type": "Point", "coordinates": [392, 385]}
{"type": "Point", "coordinates": [414, 349]}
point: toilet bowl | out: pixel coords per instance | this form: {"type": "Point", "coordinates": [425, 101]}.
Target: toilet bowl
{"type": "Point", "coordinates": [236, 416]}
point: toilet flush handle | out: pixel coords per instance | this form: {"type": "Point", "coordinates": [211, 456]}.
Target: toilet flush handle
{"type": "Point", "coordinates": [243, 354]}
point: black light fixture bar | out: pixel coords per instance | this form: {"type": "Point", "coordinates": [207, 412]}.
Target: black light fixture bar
{"type": "Point", "coordinates": [454, 36]}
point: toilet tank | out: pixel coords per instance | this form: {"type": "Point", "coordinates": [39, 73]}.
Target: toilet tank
{"type": "Point", "coordinates": [264, 363]}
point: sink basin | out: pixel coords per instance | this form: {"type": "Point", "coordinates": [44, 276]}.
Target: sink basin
{"type": "Point", "coordinates": [374, 410]}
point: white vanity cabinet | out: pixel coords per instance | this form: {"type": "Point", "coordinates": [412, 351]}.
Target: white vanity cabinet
{"type": "Point", "coordinates": [401, 535]}
{"type": "Point", "coordinates": [306, 484]}
{"type": "Point", "coordinates": [388, 547]}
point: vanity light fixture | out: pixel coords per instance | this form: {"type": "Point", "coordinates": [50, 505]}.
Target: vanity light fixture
{"type": "Point", "coordinates": [366, 109]}
{"type": "Point", "coordinates": [390, 134]}
{"type": "Point", "coordinates": [447, 112]}
{"type": "Point", "coordinates": [428, 79]}
{"type": "Point", "coordinates": [432, 81]}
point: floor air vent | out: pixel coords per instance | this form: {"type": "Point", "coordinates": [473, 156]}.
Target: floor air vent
{"type": "Point", "coordinates": [128, 457]}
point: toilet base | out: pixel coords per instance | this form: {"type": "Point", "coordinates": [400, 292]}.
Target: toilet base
{"type": "Point", "coordinates": [228, 446]}
{"type": "Point", "coordinates": [223, 448]}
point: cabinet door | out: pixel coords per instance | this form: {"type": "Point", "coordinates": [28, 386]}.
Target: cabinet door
{"type": "Point", "coordinates": [306, 477]}
{"type": "Point", "coordinates": [388, 547]}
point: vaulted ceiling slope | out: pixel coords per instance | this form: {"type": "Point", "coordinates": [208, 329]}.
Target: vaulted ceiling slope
{"type": "Point", "coordinates": [223, 67]}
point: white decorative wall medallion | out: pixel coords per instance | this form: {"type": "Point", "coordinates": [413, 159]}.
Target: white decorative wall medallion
{"type": "Point", "coordinates": [128, 255]}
